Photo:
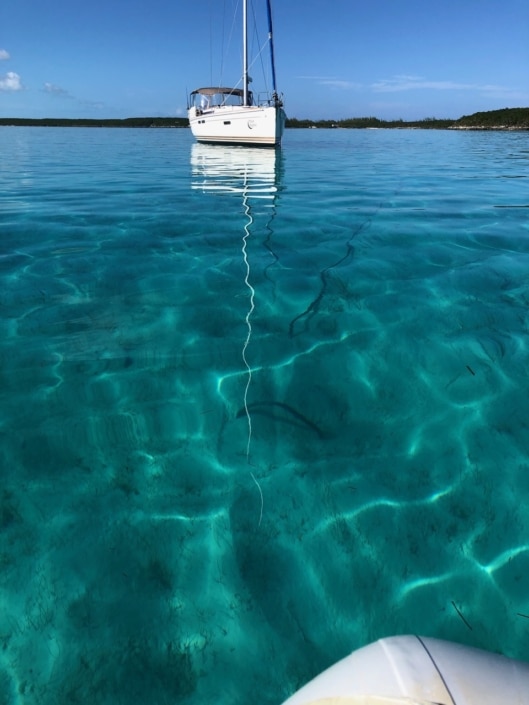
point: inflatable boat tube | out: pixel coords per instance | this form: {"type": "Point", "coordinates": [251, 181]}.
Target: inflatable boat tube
{"type": "Point", "coordinates": [415, 670]}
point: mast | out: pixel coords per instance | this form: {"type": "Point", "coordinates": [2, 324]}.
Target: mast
{"type": "Point", "coordinates": [245, 52]}
{"type": "Point", "coordinates": [271, 38]}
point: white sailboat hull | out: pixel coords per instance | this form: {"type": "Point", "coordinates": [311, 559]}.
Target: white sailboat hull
{"type": "Point", "coordinates": [238, 124]}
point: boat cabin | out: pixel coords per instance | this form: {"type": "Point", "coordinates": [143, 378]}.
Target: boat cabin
{"type": "Point", "coordinates": [204, 98]}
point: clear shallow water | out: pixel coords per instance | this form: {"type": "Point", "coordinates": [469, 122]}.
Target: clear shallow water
{"type": "Point", "coordinates": [257, 409]}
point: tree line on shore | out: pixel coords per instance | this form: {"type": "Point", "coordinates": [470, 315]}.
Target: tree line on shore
{"type": "Point", "coordinates": [506, 119]}
{"type": "Point", "coordinates": [88, 122]}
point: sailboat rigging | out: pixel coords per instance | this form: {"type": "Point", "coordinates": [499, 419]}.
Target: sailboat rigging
{"type": "Point", "coordinates": [234, 115]}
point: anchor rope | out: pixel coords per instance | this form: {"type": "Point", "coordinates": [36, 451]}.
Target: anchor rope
{"type": "Point", "coordinates": [248, 214]}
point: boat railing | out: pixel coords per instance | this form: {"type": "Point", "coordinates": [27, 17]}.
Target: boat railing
{"type": "Point", "coordinates": [270, 99]}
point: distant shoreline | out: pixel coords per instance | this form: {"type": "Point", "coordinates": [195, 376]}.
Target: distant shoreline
{"type": "Point", "coordinates": [144, 122]}
{"type": "Point", "coordinates": [508, 120]}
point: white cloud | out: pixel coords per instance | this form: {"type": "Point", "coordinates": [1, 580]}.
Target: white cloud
{"type": "Point", "coordinates": [11, 82]}
{"type": "Point", "coordinates": [56, 90]}
{"type": "Point", "coordinates": [93, 104]}
{"type": "Point", "coordinates": [333, 82]}
{"type": "Point", "coordinates": [408, 83]}
{"type": "Point", "coordinates": [337, 83]}
{"type": "Point", "coordinates": [4, 55]}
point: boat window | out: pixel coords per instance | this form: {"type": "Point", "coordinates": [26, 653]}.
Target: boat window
{"type": "Point", "coordinates": [228, 99]}
{"type": "Point", "coordinates": [203, 101]}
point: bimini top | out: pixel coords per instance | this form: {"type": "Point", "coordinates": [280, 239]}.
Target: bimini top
{"type": "Point", "coordinates": [217, 90]}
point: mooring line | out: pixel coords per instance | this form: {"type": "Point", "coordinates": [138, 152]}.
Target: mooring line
{"type": "Point", "coordinates": [248, 213]}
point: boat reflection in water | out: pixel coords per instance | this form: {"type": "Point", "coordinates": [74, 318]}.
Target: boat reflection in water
{"type": "Point", "coordinates": [253, 171]}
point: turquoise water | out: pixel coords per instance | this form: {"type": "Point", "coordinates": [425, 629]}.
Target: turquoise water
{"type": "Point", "coordinates": [257, 408]}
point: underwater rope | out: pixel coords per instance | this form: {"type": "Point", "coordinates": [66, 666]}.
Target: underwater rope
{"type": "Point", "coordinates": [266, 408]}
{"type": "Point", "coordinates": [248, 213]}
{"type": "Point", "coordinates": [314, 305]}
{"type": "Point", "coordinates": [313, 308]}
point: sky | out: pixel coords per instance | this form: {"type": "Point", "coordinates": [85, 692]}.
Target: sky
{"type": "Point", "coordinates": [391, 59]}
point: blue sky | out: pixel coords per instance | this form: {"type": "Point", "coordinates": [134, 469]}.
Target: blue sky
{"type": "Point", "coordinates": [390, 59]}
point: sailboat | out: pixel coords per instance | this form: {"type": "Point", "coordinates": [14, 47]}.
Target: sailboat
{"type": "Point", "coordinates": [235, 115]}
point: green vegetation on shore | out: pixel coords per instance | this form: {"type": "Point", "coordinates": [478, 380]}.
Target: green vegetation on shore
{"type": "Point", "coordinates": [506, 119]}
{"type": "Point", "coordinates": [371, 122]}
{"type": "Point", "coordinates": [85, 122]}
